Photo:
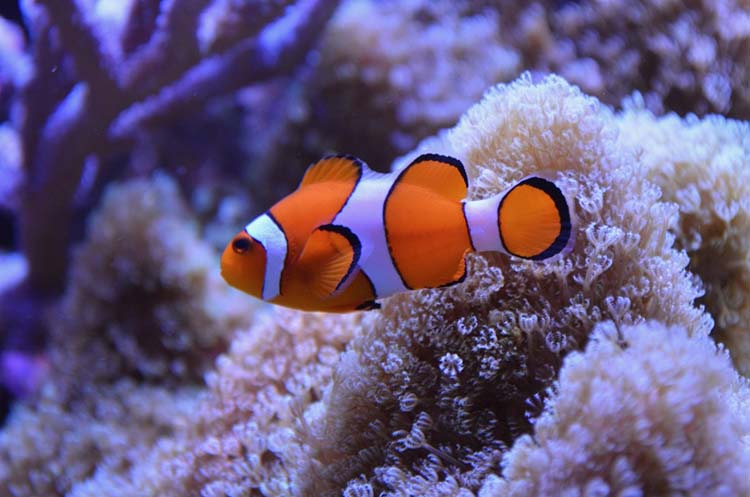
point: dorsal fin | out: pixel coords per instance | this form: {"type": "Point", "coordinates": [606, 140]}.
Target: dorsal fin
{"type": "Point", "coordinates": [329, 258]}
{"type": "Point", "coordinates": [439, 173]}
{"type": "Point", "coordinates": [334, 168]}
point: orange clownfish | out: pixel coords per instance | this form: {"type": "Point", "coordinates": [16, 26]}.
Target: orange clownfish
{"type": "Point", "coordinates": [349, 236]}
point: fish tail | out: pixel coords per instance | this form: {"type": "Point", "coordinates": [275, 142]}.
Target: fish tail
{"type": "Point", "coordinates": [533, 220]}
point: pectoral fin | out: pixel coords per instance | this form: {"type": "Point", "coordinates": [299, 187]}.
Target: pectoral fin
{"type": "Point", "coordinates": [329, 258]}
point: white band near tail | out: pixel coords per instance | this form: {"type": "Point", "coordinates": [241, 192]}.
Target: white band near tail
{"type": "Point", "coordinates": [481, 216]}
{"type": "Point", "coordinates": [531, 220]}
{"type": "Point", "coordinates": [268, 233]}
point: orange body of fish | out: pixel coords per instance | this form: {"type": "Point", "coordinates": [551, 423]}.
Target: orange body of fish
{"type": "Point", "coordinates": [348, 236]}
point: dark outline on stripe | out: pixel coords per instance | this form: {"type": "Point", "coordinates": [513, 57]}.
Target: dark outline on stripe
{"type": "Point", "coordinates": [385, 228]}
{"type": "Point", "coordinates": [460, 279]}
{"type": "Point", "coordinates": [368, 305]}
{"type": "Point", "coordinates": [286, 256]}
{"type": "Point", "coordinates": [353, 241]}
{"type": "Point", "coordinates": [468, 228]}
{"type": "Point", "coordinates": [369, 282]}
{"type": "Point", "coordinates": [561, 204]}
{"type": "Point", "coordinates": [263, 285]}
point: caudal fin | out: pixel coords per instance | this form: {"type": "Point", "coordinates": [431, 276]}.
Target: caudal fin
{"type": "Point", "coordinates": [533, 219]}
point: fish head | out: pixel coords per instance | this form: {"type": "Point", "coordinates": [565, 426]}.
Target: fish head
{"type": "Point", "coordinates": [243, 264]}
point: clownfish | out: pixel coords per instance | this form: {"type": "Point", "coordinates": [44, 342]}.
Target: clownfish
{"type": "Point", "coordinates": [349, 236]}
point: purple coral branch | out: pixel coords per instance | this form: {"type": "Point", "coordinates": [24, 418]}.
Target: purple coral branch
{"type": "Point", "coordinates": [44, 131]}
{"type": "Point", "coordinates": [240, 18]}
{"type": "Point", "coordinates": [55, 163]}
{"type": "Point", "coordinates": [47, 202]}
{"type": "Point", "coordinates": [279, 48]}
{"type": "Point", "coordinates": [40, 95]}
{"type": "Point", "coordinates": [140, 25]}
{"type": "Point", "coordinates": [77, 90]}
{"type": "Point", "coordinates": [68, 109]}
{"type": "Point", "coordinates": [80, 42]}
{"type": "Point", "coordinates": [171, 50]}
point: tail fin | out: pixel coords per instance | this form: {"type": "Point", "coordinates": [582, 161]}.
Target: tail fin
{"type": "Point", "coordinates": [533, 219]}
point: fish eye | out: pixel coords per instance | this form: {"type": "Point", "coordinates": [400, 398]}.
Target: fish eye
{"type": "Point", "coordinates": [241, 245]}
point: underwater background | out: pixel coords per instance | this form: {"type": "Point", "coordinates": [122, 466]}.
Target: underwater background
{"type": "Point", "coordinates": [138, 136]}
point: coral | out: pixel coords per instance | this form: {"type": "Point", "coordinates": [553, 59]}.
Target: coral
{"type": "Point", "coordinates": [272, 378]}
{"type": "Point", "coordinates": [433, 389]}
{"type": "Point", "coordinates": [143, 319]}
{"type": "Point", "coordinates": [238, 438]}
{"type": "Point", "coordinates": [14, 63]}
{"type": "Point", "coordinates": [10, 167]}
{"type": "Point", "coordinates": [145, 299]}
{"type": "Point", "coordinates": [22, 373]}
{"type": "Point", "coordinates": [104, 76]}
{"type": "Point", "coordinates": [683, 56]}
{"type": "Point", "coordinates": [103, 88]}
{"type": "Point", "coordinates": [410, 67]}
{"type": "Point", "coordinates": [387, 74]}
{"type": "Point", "coordinates": [708, 176]}
{"type": "Point", "coordinates": [52, 446]}
{"type": "Point", "coordinates": [12, 269]}
{"type": "Point", "coordinates": [651, 412]}
{"type": "Point", "coordinates": [14, 71]}
{"type": "Point", "coordinates": [225, 21]}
